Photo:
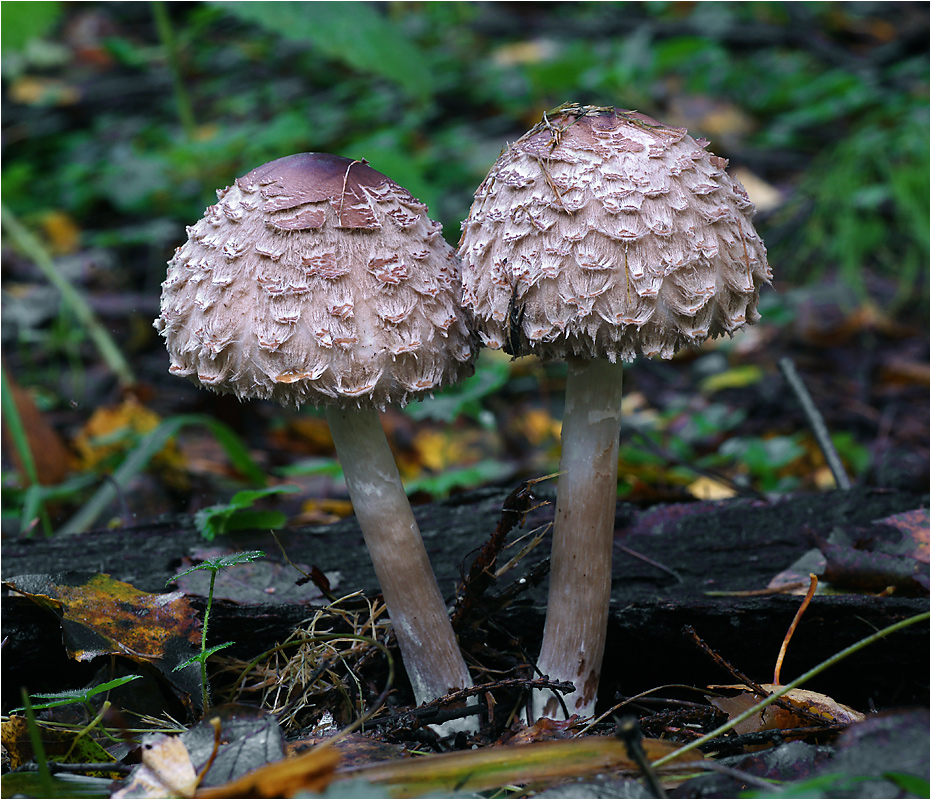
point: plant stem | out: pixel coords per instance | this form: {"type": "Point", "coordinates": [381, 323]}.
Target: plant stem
{"type": "Point", "coordinates": [203, 639]}
{"type": "Point", "coordinates": [31, 247]}
{"type": "Point", "coordinates": [182, 101]}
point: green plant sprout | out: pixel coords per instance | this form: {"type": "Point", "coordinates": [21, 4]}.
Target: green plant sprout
{"type": "Point", "coordinates": [238, 514]}
{"type": "Point", "coordinates": [213, 565]}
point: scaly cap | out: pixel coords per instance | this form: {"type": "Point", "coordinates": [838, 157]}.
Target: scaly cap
{"type": "Point", "coordinates": [604, 233]}
{"type": "Point", "coordinates": [316, 279]}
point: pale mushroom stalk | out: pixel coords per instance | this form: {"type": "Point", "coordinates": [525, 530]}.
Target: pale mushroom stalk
{"type": "Point", "coordinates": [418, 614]}
{"type": "Point", "coordinates": [580, 575]}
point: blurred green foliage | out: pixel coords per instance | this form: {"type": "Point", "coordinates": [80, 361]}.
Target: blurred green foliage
{"type": "Point", "coordinates": [126, 117]}
{"type": "Point", "coordinates": [430, 92]}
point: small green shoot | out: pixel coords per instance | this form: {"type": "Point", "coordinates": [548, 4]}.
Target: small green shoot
{"type": "Point", "coordinates": [238, 514]}
{"type": "Point", "coordinates": [213, 565]}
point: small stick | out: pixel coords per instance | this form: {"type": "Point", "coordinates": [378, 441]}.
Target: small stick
{"type": "Point", "coordinates": [798, 616]}
{"type": "Point", "coordinates": [752, 686]}
{"type": "Point", "coordinates": [815, 422]}
{"type": "Point", "coordinates": [628, 731]}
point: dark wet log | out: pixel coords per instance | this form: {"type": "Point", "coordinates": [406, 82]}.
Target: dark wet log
{"type": "Point", "coordinates": [667, 559]}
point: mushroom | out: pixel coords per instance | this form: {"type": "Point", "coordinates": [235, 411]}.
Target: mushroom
{"type": "Point", "coordinates": [599, 235]}
{"type": "Point", "coordinates": [315, 279]}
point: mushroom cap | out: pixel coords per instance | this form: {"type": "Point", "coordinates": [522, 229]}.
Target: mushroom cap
{"type": "Point", "coordinates": [316, 279]}
{"type": "Point", "coordinates": [604, 233]}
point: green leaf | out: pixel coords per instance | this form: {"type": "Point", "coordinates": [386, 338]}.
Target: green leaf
{"type": "Point", "coordinates": [23, 22]}
{"type": "Point", "coordinates": [238, 514]}
{"type": "Point", "coordinates": [358, 34]}
{"type": "Point", "coordinates": [466, 396]}
{"type": "Point", "coordinates": [440, 485]}
{"type": "Point", "coordinates": [733, 378]}
{"type": "Point", "coordinates": [70, 696]}
{"type": "Point", "coordinates": [221, 562]}
{"type": "Point", "coordinates": [201, 657]}
{"type": "Point", "coordinates": [913, 784]}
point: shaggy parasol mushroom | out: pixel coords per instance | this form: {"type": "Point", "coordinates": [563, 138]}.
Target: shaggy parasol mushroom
{"type": "Point", "coordinates": [598, 235]}
{"type": "Point", "coordinates": [315, 279]}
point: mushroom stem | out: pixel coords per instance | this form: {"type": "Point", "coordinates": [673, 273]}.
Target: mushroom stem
{"type": "Point", "coordinates": [428, 645]}
{"type": "Point", "coordinates": [580, 575]}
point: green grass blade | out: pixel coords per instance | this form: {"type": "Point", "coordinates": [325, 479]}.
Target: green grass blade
{"type": "Point", "coordinates": [32, 504]}
{"type": "Point", "coordinates": [138, 460]}
{"type": "Point", "coordinates": [31, 247]}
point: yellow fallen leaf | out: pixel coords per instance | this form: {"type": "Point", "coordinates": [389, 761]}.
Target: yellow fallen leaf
{"type": "Point", "coordinates": [112, 430]}
{"type": "Point", "coordinates": [705, 488]}
{"type": "Point", "coordinates": [62, 232]}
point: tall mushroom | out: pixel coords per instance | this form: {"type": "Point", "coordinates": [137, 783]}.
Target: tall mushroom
{"type": "Point", "coordinates": [315, 279]}
{"type": "Point", "coordinates": [599, 235]}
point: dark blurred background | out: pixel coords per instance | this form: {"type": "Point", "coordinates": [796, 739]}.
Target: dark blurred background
{"type": "Point", "coordinates": [120, 120]}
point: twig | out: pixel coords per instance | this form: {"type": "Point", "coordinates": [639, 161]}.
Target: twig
{"type": "Point", "coordinates": [481, 575]}
{"type": "Point", "coordinates": [775, 696]}
{"type": "Point", "coordinates": [815, 422]}
{"type": "Point", "coordinates": [798, 615]}
{"type": "Point", "coordinates": [753, 686]}
{"type": "Point", "coordinates": [628, 731]}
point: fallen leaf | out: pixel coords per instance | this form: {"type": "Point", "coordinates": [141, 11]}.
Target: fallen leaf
{"type": "Point", "coordinates": [311, 772]}
{"type": "Point", "coordinates": [113, 430]}
{"type": "Point", "coordinates": [492, 767]}
{"type": "Point", "coordinates": [774, 717]}
{"type": "Point", "coordinates": [61, 231]}
{"type": "Point", "coordinates": [705, 488]}
{"type": "Point", "coordinates": [51, 457]}
{"type": "Point", "coordinates": [166, 770]}
{"type": "Point", "coordinates": [102, 616]}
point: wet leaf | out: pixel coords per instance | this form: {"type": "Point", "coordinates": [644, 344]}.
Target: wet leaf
{"type": "Point", "coordinates": [311, 772]}
{"type": "Point", "coordinates": [248, 738]}
{"type": "Point", "coordinates": [102, 616]}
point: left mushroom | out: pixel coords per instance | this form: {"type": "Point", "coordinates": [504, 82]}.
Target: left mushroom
{"type": "Point", "coordinates": [316, 279]}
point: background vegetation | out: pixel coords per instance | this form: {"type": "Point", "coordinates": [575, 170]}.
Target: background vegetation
{"type": "Point", "coordinates": [121, 119]}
